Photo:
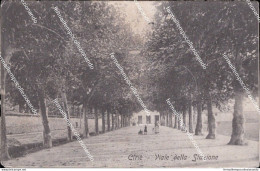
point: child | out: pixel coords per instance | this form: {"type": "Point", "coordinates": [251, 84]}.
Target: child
{"type": "Point", "coordinates": [145, 130]}
{"type": "Point", "coordinates": [157, 127]}
{"type": "Point", "coordinates": [140, 132]}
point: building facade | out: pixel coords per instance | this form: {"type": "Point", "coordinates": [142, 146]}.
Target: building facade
{"type": "Point", "coordinates": [141, 118]}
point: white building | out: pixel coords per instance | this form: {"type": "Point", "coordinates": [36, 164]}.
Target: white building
{"type": "Point", "coordinates": [141, 118]}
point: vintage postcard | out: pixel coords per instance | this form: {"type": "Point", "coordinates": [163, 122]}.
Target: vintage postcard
{"type": "Point", "coordinates": [129, 84]}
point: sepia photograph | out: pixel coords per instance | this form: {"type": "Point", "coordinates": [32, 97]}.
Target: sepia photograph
{"type": "Point", "coordinates": [129, 84]}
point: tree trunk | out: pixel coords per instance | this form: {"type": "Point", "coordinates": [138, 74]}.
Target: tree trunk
{"type": "Point", "coordinates": [175, 122]}
{"type": "Point", "coordinates": [96, 121]}
{"type": "Point", "coordinates": [167, 118]}
{"type": "Point", "coordinates": [161, 116]}
{"type": "Point", "coordinates": [85, 121]}
{"type": "Point", "coordinates": [179, 122]}
{"type": "Point", "coordinates": [103, 121]}
{"type": "Point", "coordinates": [184, 119]}
{"type": "Point", "coordinates": [80, 115]}
{"type": "Point", "coordinates": [124, 121]}
{"type": "Point", "coordinates": [164, 120]}
{"type": "Point", "coordinates": [211, 120]}
{"type": "Point", "coordinates": [238, 122]}
{"type": "Point", "coordinates": [27, 109]}
{"type": "Point", "coordinates": [20, 108]}
{"type": "Point", "coordinates": [47, 141]}
{"type": "Point", "coordinates": [119, 126]}
{"type": "Point", "coordinates": [198, 130]}
{"type": "Point", "coordinates": [113, 122]}
{"type": "Point", "coordinates": [73, 113]}
{"type": "Point", "coordinates": [7, 52]}
{"type": "Point", "coordinates": [170, 116]}
{"type": "Point", "coordinates": [78, 109]}
{"type": "Point", "coordinates": [108, 119]}
{"type": "Point", "coordinates": [65, 103]}
{"type": "Point", "coordinates": [128, 120]}
{"type": "Point", "coordinates": [121, 121]}
{"type": "Point", "coordinates": [190, 118]}
{"type": "Point", "coordinates": [116, 121]}
{"type": "Point", "coordinates": [4, 148]}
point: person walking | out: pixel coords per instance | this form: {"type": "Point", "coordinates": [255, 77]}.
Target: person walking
{"type": "Point", "coordinates": [156, 127]}
{"type": "Point", "coordinates": [145, 130]}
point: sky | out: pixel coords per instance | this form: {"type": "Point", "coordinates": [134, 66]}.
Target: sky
{"type": "Point", "coordinates": [134, 16]}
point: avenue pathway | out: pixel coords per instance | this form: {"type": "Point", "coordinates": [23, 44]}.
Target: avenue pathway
{"type": "Point", "coordinates": [125, 148]}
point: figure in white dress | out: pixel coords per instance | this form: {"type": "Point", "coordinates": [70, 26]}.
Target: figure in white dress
{"type": "Point", "coordinates": [156, 127]}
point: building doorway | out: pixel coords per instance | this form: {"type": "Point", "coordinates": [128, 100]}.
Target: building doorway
{"type": "Point", "coordinates": [148, 119]}
{"type": "Point", "coordinates": [156, 118]}
{"type": "Point", "coordinates": [140, 119]}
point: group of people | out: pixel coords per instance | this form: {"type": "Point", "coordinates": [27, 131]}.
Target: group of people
{"type": "Point", "coordinates": [155, 129]}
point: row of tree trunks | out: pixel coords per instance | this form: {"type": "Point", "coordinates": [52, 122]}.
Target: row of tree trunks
{"type": "Point", "coordinates": [198, 130]}
{"type": "Point", "coordinates": [115, 121]}
{"type": "Point", "coordinates": [237, 137]}
{"type": "Point", "coordinates": [177, 123]}
{"type": "Point", "coordinates": [125, 120]}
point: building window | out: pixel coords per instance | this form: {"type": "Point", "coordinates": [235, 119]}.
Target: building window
{"type": "Point", "coordinates": [148, 119]}
{"type": "Point", "coordinates": [140, 119]}
{"type": "Point", "coordinates": [156, 118]}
